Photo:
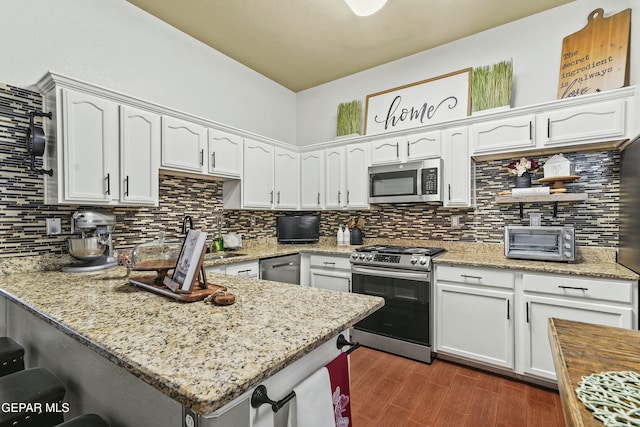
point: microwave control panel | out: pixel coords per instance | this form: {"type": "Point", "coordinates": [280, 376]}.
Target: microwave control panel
{"type": "Point", "coordinates": [430, 181]}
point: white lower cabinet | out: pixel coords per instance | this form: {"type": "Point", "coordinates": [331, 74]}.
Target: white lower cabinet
{"type": "Point", "coordinates": [474, 309]}
{"type": "Point", "coordinates": [327, 272]}
{"type": "Point", "coordinates": [600, 301]}
{"type": "Point", "coordinates": [500, 317]}
{"type": "Point", "coordinates": [244, 269]}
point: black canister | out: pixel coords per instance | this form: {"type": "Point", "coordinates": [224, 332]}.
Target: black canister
{"type": "Point", "coordinates": [356, 236]}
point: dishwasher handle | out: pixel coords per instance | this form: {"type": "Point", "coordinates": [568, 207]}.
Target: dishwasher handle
{"type": "Point", "coordinates": [284, 264]}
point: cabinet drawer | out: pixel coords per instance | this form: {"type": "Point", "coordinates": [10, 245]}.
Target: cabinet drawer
{"type": "Point", "coordinates": [250, 269]}
{"type": "Point", "coordinates": [579, 287]}
{"type": "Point", "coordinates": [325, 261]}
{"type": "Point", "coordinates": [476, 276]}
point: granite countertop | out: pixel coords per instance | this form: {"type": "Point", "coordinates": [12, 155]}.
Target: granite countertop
{"type": "Point", "coordinates": [581, 349]}
{"type": "Point", "coordinates": [200, 355]}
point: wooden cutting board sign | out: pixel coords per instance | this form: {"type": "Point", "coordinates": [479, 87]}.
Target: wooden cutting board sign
{"type": "Point", "coordinates": [596, 58]}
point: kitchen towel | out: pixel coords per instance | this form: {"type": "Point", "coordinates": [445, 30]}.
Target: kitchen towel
{"type": "Point", "coordinates": [340, 391]}
{"type": "Point", "coordinates": [312, 406]}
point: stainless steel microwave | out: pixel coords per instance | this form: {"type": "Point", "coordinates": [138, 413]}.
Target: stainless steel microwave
{"type": "Point", "coordinates": [406, 182]}
{"type": "Point", "coordinates": [540, 243]}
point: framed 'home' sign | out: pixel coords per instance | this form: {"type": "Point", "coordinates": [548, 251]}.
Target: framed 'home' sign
{"type": "Point", "coordinates": [418, 104]}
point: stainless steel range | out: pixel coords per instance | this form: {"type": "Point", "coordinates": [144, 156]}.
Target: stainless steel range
{"type": "Point", "coordinates": [402, 275]}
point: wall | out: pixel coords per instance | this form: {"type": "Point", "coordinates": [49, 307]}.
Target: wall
{"type": "Point", "coordinates": [118, 46]}
{"type": "Point", "coordinates": [534, 43]}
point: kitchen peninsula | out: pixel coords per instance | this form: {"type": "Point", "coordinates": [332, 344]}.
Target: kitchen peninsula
{"type": "Point", "coordinates": [141, 359]}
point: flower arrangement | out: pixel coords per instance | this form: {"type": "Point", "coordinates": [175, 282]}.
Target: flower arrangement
{"type": "Point", "coordinates": [519, 167]}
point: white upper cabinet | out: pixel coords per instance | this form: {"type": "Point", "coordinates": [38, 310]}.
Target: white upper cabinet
{"type": "Point", "coordinates": [510, 134]}
{"type": "Point", "coordinates": [581, 124]}
{"type": "Point", "coordinates": [346, 172]}
{"type": "Point", "coordinates": [404, 148]}
{"type": "Point", "coordinates": [357, 176]}
{"type": "Point", "coordinates": [90, 139]}
{"type": "Point", "coordinates": [183, 145]}
{"type": "Point", "coordinates": [312, 180]}
{"type": "Point", "coordinates": [225, 154]}
{"type": "Point", "coordinates": [286, 183]}
{"type": "Point", "coordinates": [457, 164]}
{"type": "Point", "coordinates": [424, 145]}
{"type": "Point", "coordinates": [257, 181]}
{"type": "Point", "coordinates": [139, 156]}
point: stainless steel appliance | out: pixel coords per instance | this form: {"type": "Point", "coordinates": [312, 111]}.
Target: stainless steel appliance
{"type": "Point", "coordinates": [403, 276]}
{"type": "Point", "coordinates": [540, 243]}
{"type": "Point", "coordinates": [406, 182]}
{"type": "Point", "coordinates": [629, 251]}
{"type": "Point", "coordinates": [281, 269]}
{"type": "Point", "coordinates": [91, 243]}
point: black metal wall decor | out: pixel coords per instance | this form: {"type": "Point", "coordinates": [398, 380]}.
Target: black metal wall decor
{"type": "Point", "coordinates": [36, 141]}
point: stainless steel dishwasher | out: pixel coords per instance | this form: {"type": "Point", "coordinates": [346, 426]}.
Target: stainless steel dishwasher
{"type": "Point", "coordinates": [281, 269]}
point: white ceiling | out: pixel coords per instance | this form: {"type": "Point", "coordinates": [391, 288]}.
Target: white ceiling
{"type": "Point", "coordinates": [304, 43]}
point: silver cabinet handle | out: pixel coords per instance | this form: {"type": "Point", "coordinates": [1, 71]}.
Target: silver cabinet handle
{"type": "Point", "coordinates": [318, 198]}
{"type": "Point", "coordinates": [202, 157]}
{"type": "Point", "coordinates": [108, 178]}
{"type": "Point", "coordinates": [338, 197]}
{"type": "Point", "coordinates": [548, 127]}
{"type": "Point", "coordinates": [278, 201]}
{"type": "Point", "coordinates": [466, 276]}
{"type": "Point", "coordinates": [397, 150]}
{"type": "Point", "coordinates": [530, 130]}
{"type": "Point", "coordinates": [508, 309]}
{"type": "Point", "coordinates": [347, 197]}
{"type": "Point", "coordinates": [271, 199]}
{"type": "Point", "coordinates": [449, 191]}
{"type": "Point", "coordinates": [575, 288]}
{"type": "Point", "coordinates": [329, 263]}
{"type": "Point", "coordinates": [126, 186]}
{"type": "Point", "coordinates": [213, 159]}
{"type": "Point", "coordinates": [408, 149]}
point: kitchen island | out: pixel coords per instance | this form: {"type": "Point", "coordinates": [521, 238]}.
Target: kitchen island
{"type": "Point", "coordinates": [138, 358]}
{"type": "Point", "coordinates": [581, 349]}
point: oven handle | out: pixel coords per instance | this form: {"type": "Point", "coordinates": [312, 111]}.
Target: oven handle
{"type": "Point", "coordinates": [391, 273]}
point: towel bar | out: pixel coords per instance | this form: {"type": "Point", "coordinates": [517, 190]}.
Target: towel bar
{"type": "Point", "coordinates": [342, 341]}
{"type": "Point", "coordinates": [259, 397]}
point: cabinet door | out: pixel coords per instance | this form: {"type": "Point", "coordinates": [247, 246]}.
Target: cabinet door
{"type": "Point", "coordinates": [286, 179]}
{"type": "Point", "coordinates": [139, 156]}
{"type": "Point", "coordinates": [536, 350]}
{"type": "Point", "coordinates": [577, 125]}
{"type": "Point", "coordinates": [257, 180]}
{"type": "Point", "coordinates": [475, 323]}
{"type": "Point", "coordinates": [457, 168]}
{"type": "Point", "coordinates": [497, 136]}
{"type": "Point", "coordinates": [386, 151]}
{"type": "Point", "coordinates": [425, 145]}
{"type": "Point", "coordinates": [225, 154]}
{"type": "Point", "coordinates": [330, 280]}
{"type": "Point", "coordinates": [357, 176]}
{"type": "Point", "coordinates": [312, 180]}
{"type": "Point", "coordinates": [335, 181]}
{"type": "Point", "coordinates": [183, 145]}
{"type": "Point", "coordinates": [91, 138]}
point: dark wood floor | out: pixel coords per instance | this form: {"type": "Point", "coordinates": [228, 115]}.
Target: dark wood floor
{"type": "Point", "coordinates": [387, 390]}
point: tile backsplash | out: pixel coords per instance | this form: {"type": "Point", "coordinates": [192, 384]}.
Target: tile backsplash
{"type": "Point", "coordinates": [23, 212]}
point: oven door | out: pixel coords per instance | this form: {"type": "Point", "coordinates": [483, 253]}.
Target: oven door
{"type": "Point", "coordinates": [406, 312]}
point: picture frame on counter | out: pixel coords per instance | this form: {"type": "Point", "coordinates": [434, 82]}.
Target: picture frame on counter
{"type": "Point", "coordinates": [188, 263]}
{"type": "Point", "coordinates": [435, 100]}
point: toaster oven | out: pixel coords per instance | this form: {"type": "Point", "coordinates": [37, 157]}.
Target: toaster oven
{"type": "Point", "coordinates": [540, 243]}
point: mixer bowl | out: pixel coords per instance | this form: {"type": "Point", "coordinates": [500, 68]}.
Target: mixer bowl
{"type": "Point", "coordinates": [87, 249]}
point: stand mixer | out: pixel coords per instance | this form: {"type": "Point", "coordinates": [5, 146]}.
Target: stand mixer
{"type": "Point", "coordinates": [92, 241]}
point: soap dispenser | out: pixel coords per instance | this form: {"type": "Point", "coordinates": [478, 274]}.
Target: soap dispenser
{"type": "Point", "coordinates": [340, 237]}
{"type": "Point", "coordinates": [346, 236]}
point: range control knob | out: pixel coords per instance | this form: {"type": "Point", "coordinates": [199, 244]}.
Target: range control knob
{"type": "Point", "coordinates": [567, 236]}
{"type": "Point", "coordinates": [567, 245]}
{"type": "Point", "coordinates": [370, 257]}
{"type": "Point", "coordinates": [567, 254]}
{"type": "Point", "coordinates": [354, 256]}
{"type": "Point", "coordinates": [361, 257]}
{"type": "Point", "coordinates": [414, 261]}
{"type": "Point", "coordinates": [423, 260]}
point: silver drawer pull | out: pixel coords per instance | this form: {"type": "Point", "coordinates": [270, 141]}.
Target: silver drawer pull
{"type": "Point", "coordinates": [466, 276]}
{"type": "Point", "coordinates": [573, 287]}
{"type": "Point", "coordinates": [329, 263]}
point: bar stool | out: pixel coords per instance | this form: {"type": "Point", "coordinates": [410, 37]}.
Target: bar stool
{"type": "Point", "coordinates": [86, 420]}
{"type": "Point", "coordinates": [25, 395]}
{"type": "Point", "coordinates": [11, 356]}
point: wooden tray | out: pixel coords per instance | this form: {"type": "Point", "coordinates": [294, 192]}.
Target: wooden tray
{"type": "Point", "coordinates": [196, 294]}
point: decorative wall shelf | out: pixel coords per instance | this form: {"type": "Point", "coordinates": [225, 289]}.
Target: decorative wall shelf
{"type": "Point", "coordinates": [551, 198]}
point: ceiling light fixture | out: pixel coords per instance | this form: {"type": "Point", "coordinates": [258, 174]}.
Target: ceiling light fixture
{"type": "Point", "coordinates": [365, 7]}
